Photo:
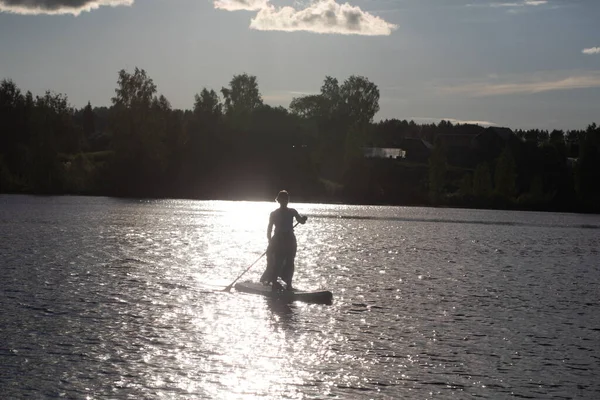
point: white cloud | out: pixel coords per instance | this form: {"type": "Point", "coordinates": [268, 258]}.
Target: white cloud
{"type": "Point", "coordinates": [284, 97]}
{"type": "Point", "coordinates": [529, 86]}
{"type": "Point", "coordinates": [74, 7]}
{"type": "Point", "coordinates": [591, 50]}
{"type": "Point", "coordinates": [506, 5]}
{"type": "Point", "coordinates": [238, 5]}
{"type": "Point", "coordinates": [521, 4]}
{"type": "Point", "coordinates": [454, 121]}
{"type": "Point", "coordinates": [321, 16]}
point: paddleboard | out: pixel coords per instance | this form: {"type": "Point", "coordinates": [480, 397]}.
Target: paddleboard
{"type": "Point", "coordinates": [316, 297]}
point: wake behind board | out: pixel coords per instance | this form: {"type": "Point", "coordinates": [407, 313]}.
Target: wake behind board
{"type": "Point", "coordinates": [315, 297]}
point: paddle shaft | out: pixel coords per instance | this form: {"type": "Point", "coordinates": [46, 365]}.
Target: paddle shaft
{"type": "Point", "coordinates": [228, 288]}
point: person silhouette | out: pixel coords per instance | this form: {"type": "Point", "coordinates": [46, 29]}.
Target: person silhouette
{"type": "Point", "coordinates": [281, 251]}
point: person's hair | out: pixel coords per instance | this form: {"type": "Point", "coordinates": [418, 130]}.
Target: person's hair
{"type": "Point", "coordinates": [283, 196]}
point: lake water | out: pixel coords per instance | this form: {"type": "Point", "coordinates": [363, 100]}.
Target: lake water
{"type": "Point", "coordinates": [109, 298]}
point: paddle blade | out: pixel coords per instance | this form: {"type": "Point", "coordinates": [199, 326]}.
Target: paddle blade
{"type": "Point", "coordinates": [227, 289]}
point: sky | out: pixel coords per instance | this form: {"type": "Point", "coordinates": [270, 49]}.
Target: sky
{"type": "Point", "coordinates": [521, 64]}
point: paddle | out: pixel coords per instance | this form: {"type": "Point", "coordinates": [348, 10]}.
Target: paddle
{"type": "Point", "coordinates": [228, 288]}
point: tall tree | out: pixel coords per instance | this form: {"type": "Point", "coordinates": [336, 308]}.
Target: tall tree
{"type": "Point", "coordinates": [11, 106]}
{"type": "Point", "coordinates": [310, 106]}
{"type": "Point", "coordinates": [207, 105]}
{"type": "Point", "coordinates": [587, 173]}
{"type": "Point", "coordinates": [482, 181]}
{"type": "Point", "coordinates": [139, 140]}
{"type": "Point", "coordinates": [506, 175]}
{"type": "Point", "coordinates": [437, 172]}
{"type": "Point", "coordinates": [557, 136]}
{"type": "Point", "coordinates": [52, 131]}
{"type": "Point", "coordinates": [355, 102]}
{"type": "Point", "coordinates": [134, 90]}
{"type": "Point", "coordinates": [343, 115]}
{"type": "Point", "coordinates": [242, 96]}
{"type": "Point", "coordinates": [466, 185]}
{"type": "Point", "coordinates": [89, 121]}
{"type": "Point", "coordinates": [330, 92]}
{"type": "Point", "coordinates": [361, 99]}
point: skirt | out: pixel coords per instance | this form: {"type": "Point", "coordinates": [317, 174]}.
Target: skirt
{"type": "Point", "coordinates": [281, 254]}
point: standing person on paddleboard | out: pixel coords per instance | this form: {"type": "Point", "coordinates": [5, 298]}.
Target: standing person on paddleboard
{"type": "Point", "coordinates": [281, 251]}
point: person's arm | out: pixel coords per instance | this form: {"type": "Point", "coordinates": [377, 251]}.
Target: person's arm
{"type": "Point", "coordinates": [270, 227]}
{"type": "Point", "coordinates": [300, 218]}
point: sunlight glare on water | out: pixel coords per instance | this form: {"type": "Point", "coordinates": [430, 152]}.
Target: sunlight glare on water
{"type": "Point", "coordinates": [229, 236]}
{"type": "Point", "coordinates": [255, 359]}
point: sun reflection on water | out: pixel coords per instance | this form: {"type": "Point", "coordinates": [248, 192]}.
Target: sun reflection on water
{"type": "Point", "coordinates": [251, 349]}
{"type": "Point", "coordinates": [259, 344]}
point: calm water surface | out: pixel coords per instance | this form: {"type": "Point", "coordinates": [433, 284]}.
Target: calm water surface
{"type": "Point", "coordinates": [107, 298]}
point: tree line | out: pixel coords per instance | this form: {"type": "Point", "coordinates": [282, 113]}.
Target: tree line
{"type": "Point", "coordinates": [230, 145]}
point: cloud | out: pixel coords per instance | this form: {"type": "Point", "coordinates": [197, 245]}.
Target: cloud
{"type": "Point", "coordinates": [521, 4]}
{"type": "Point", "coordinates": [531, 86]}
{"type": "Point", "coordinates": [513, 6]}
{"type": "Point", "coordinates": [454, 121]}
{"type": "Point", "coordinates": [238, 5]}
{"type": "Point", "coordinates": [591, 50]}
{"type": "Point", "coordinates": [74, 7]}
{"type": "Point", "coordinates": [322, 16]}
{"type": "Point", "coordinates": [284, 97]}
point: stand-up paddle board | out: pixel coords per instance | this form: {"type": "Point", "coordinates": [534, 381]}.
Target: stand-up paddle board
{"type": "Point", "coordinates": [317, 297]}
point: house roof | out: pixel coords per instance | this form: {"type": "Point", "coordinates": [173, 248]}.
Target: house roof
{"type": "Point", "coordinates": [415, 143]}
{"type": "Point", "coordinates": [504, 133]}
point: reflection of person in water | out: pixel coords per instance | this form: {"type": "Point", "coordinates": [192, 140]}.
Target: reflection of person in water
{"type": "Point", "coordinates": [281, 251]}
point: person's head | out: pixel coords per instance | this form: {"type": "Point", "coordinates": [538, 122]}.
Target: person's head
{"type": "Point", "coordinates": [283, 198]}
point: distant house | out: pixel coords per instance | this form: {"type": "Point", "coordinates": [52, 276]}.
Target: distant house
{"type": "Point", "coordinates": [490, 143]}
{"type": "Point", "coordinates": [493, 137]}
{"type": "Point", "coordinates": [383, 152]}
{"type": "Point", "coordinates": [461, 137]}
{"type": "Point", "coordinates": [500, 135]}
{"type": "Point", "coordinates": [416, 150]}
{"type": "Point", "coordinates": [459, 145]}
{"type": "Point", "coordinates": [456, 140]}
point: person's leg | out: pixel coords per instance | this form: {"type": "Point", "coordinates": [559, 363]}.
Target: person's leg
{"type": "Point", "coordinates": [278, 263]}
{"type": "Point", "coordinates": [290, 262]}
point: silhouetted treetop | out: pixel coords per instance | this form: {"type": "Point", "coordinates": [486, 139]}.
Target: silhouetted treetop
{"type": "Point", "coordinates": [207, 104]}
{"type": "Point", "coordinates": [361, 99]}
{"type": "Point", "coordinates": [310, 106]}
{"type": "Point", "coordinates": [355, 102]}
{"type": "Point", "coordinates": [242, 95]}
{"type": "Point", "coordinates": [134, 90]}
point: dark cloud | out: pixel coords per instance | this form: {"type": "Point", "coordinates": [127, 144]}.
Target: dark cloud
{"type": "Point", "coordinates": [74, 7]}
